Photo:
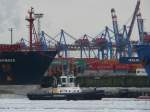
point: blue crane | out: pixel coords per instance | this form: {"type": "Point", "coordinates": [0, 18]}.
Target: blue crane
{"type": "Point", "coordinates": [103, 44]}
{"type": "Point", "coordinates": [140, 27]}
{"type": "Point", "coordinates": [83, 43]}
{"type": "Point", "coordinates": [131, 28]}
{"type": "Point", "coordinates": [123, 39]}
{"type": "Point", "coordinates": [120, 47]}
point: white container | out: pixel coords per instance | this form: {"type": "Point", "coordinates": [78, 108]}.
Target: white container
{"type": "Point", "coordinates": [141, 72]}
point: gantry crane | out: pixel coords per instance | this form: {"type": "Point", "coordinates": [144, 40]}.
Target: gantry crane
{"type": "Point", "coordinates": [123, 39]}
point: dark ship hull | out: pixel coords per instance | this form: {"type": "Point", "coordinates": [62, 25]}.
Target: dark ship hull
{"type": "Point", "coordinates": [24, 67]}
{"type": "Point", "coordinates": [144, 56]}
{"type": "Point", "coordinates": [93, 95]}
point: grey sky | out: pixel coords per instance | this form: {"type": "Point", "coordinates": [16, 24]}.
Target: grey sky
{"type": "Point", "coordinates": [77, 17]}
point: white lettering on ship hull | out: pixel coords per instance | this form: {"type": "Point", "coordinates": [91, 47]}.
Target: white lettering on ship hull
{"type": "Point", "coordinates": [12, 60]}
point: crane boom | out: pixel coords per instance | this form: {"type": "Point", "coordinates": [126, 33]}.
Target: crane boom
{"type": "Point", "coordinates": [133, 19]}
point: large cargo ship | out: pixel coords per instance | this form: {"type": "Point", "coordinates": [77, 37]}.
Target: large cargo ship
{"type": "Point", "coordinates": [20, 65]}
{"type": "Point", "coordinates": [24, 67]}
{"type": "Point", "coordinates": [93, 66]}
{"type": "Point", "coordinates": [144, 56]}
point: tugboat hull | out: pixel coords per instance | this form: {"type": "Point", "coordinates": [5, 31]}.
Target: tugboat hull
{"type": "Point", "coordinates": [93, 95]}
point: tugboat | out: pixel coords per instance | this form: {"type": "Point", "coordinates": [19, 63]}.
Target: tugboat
{"type": "Point", "coordinates": [66, 89]}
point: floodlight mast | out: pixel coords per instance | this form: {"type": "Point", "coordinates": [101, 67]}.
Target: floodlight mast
{"type": "Point", "coordinates": [38, 16]}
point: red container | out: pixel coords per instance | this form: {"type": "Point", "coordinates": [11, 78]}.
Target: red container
{"type": "Point", "coordinates": [133, 67]}
{"type": "Point", "coordinates": [99, 66]}
{"type": "Point", "coordinates": [83, 41]}
{"type": "Point", "coordinates": [122, 67]}
{"type": "Point", "coordinates": [147, 38]}
{"type": "Point", "coordinates": [105, 67]}
{"type": "Point", "coordinates": [92, 61]}
{"type": "Point", "coordinates": [100, 41]}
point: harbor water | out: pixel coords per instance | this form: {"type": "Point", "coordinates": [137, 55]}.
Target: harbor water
{"type": "Point", "coordinates": [105, 105]}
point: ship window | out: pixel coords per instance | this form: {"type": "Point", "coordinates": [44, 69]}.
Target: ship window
{"type": "Point", "coordinates": [63, 80]}
{"type": "Point", "coordinates": [138, 71]}
{"type": "Point", "coordinates": [71, 80]}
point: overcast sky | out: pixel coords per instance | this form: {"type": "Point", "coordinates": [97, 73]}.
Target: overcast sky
{"type": "Point", "coordinates": [77, 17]}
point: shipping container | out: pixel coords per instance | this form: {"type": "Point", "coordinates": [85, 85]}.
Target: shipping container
{"type": "Point", "coordinates": [99, 66]}
{"type": "Point", "coordinates": [99, 41]}
{"type": "Point", "coordinates": [84, 42]}
{"type": "Point", "coordinates": [121, 67]}
{"type": "Point", "coordinates": [133, 67]}
{"type": "Point", "coordinates": [92, 60]}
{"type": "Point", "coordinates": [147, 38]}
{"type": "Point", "coordinates": [80, 62]}
{"type": "Point", "coordinates": [109, 61]}
{"type": "Point", "coordinates": [59, 62]}
{"type": "Point", "coordinates": [105, 67]}
{"type": "Point", "coordinates": [120, 72]}
{"type": "Point", "coordinates": [141, 72]}
{"type": "Point", "coordinates": [80, 65]}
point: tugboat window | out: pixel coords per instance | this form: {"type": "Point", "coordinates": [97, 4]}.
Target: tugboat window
{"type": "Point", "coordinates": [63, 80]}
{"type": "Point", "coordinates": [71, 80]}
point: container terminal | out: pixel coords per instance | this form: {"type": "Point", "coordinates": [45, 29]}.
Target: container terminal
{"type": "Point", "coordinates": [108, 60]}
{"type": "Point", "coordinates": [109, 57]}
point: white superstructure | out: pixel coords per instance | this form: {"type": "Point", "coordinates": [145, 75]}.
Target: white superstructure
{"type": "Point", "coordinates": [67, 85]}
